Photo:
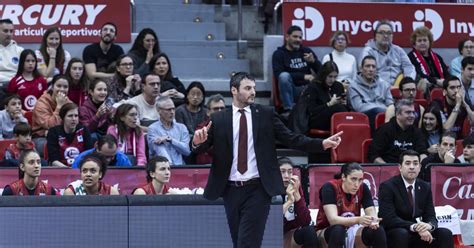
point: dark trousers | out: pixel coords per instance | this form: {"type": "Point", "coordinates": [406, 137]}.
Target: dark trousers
{"type": "Point", "coordinates": [401, 238]}
{"type": "Point", "coordinates": [247, 209]}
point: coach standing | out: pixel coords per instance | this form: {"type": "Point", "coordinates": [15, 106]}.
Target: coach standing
{"type": "Point", "coordinates": [245, 170]}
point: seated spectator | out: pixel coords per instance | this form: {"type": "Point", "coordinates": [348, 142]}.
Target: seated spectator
{"type": "Point", "coordinates": [9, 51]}
{"type": "Point", "coordinates": [52, 57]}
{"type": "Point", "coordinates": [167, 137]}
{"type": "Point", "coordinates": [346, 62]}
{"type": "Point", "coordinates": [397, 135]}
{"type": "Point", "coordinates": [409, 218]}
{"type": "Point", "coordinates": [193, 111]}
{"type": "Point", "coordinates": [92, 168]}
{"type": "Point", "coordinates": [466, 49]}
{"type": "Point", "coordinates": [29, 173]}
{"type": "Point", "coordinates": [467, 76]}
{"type": "Point", "coordinates": [96, 112]}
{"type": "Point", "coordinates": [324, 97]}
{"type": "Point", "coordinates": [10, 116]}
{"type": "Point", "coordinates": [124, 84]}
{"type": "Point", "coordinates": [429, 66]}
{"type": "Point", "coordinates": [368, 93]}
{"type": "Point", "coordinates": [293, 66]}
{"type": "Point", "coordinates": [78, 81]}
{"type": "Point", "coordinates": [407, 89]}
{"type": "Point", "coordinates": [144, 47]}
{"type": "Point", "coordinates": [339, 220]}
{"type": "Point", "coordinates": [22, 143]}
{"type": "Point", "coordinates": [28, 83]}
{"type": "Point", "coordinates": [392, 60]}
{"type": "Point", "coordinates": [99, 57]}
{"type": "Point", "coordinates": [170, 86]}
{"type": "Point", "coordinates": [67, 140]}
{"type": "Point", "coordinates": [130, 138]}
{"type": "Point", "coordinates": [107, 147]}
{"type": "Point", "coordinates": [215, 103]}
{"type": "Point", "coordinates": [468, 150]}
{"type": "Point", "coordinates": [145, 102]}
{"type": "Point", "coordinates": [455, 108]}
{"type": "Point", "coordinates": [46, 111]}
{"type": "Point", "coordinates": [446, 155]}
{"type": "Point", "coordinates": [158, 174]}
{"type": "Point", "coordinates": [296, 217]}
{"type": "Point", "coordinates": [432, 127]}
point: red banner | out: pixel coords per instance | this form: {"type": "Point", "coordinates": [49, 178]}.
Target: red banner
{"type": "Point", "coordinates": [373, 175]}
{"type": "Point", "coordinates": [453, 185]}
{"type": "Point", "coordinates": [79, 20]}
{"type": "Point", "coordinates": [125, 179]}
{"type": "Point", "coordinates": [319, 20]}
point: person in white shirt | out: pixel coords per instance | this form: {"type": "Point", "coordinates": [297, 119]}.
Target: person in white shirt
{"type": "Point", "coordinates": [346, 62]}
{"type": "Point", "coordinates": [9, 52]}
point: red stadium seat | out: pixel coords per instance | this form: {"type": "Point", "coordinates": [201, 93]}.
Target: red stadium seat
{"type": "Point", "coordinates": [437, 93]}
{"type": "Point", "coordinates": [347, 118]}
{"type": "Point", "coordinates": [365, 150]}
{"type": "Point", "coordinates": [395, 93]}
{"type": "Point", "coordinates": [45, 152]}
{"type": "Point", "coordinates": [379, 120]}
{"type": "Point", "coordinates": [419, 94]}
{"type": "Point", "coordinates": [459, 148]}
{"type": "Point", "coordinates": [4, 144]}
{"type": "Point", "coordinates": [317, 133]}
{"type": "Point", "coordinates": [350, 148]}
{"type": "Point", "coordinates": [29, 116]}
{"type": "Point", "coordinates": [276, 94]}
{"type": "Point", "coordinates": [466, 128]}
{"type": "Point", "coordinates": [422, 102]}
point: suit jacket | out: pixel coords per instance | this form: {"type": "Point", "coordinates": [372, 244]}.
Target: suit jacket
{"type": "Point", "coordinates": [394, 207]}
{"type": "Point", "coordinates": [266, 127]}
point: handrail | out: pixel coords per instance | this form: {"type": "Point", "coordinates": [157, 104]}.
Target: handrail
{"type": "Point", "coordinates": [275, 16]}
{"type": "Point", "coordinates": [134, 15]}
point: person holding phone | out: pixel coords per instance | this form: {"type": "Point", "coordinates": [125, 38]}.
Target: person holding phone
{"type": "Point", "coordinates": [325, 96]}
{"type": "Point", "coordinates": [446, 155]}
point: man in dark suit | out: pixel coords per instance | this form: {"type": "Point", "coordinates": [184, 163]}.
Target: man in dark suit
{"type": "Point", "coordinates": [245, 171]}
{"type": "Point", "coordinates": [407, 211]}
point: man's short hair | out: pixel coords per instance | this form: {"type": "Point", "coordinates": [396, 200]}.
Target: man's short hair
{"type": "Point", "coordinates": [400, 103]}
{"type": "Point", "coordinates": [237, 78]}
{"type": "Point", "coordinates": [405, 80]}
{"type": "Point", "coordinates": [6, 21]}
{"type": "Point", "coordinates": [447, 134]}
{"type": "Point", "coordinates": [160, 99]}
{"type": "Point", "coordinates": [469, 60]}
{"type": "Point", "coordinates": [111, 24]}
{"type": "Point", "coordinates": [362, 63]}
{"type": "Point", "coordinates": [214, 98]}
{"type": "Point", "coordinates": [7, 100]}
{"type": "Point", "coordinates": [383, 22]}
{"type": "Point", "coordinates": [469, 140]}
{"type": "Point", "coordinates": [292, 29]}
{"type": "Point", "coordinates": [22, 129]}
{"type": "Point", "coordinates": [448, 79]}
{"type": "Point", "coordinates": [106, 139]}
{"type": "Point", "coordinates": [407, 153]}
{"type": "Point", "coordinates": [147, 75]}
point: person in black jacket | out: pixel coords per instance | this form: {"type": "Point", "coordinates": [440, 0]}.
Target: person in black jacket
{"type": "Point", "coordinates": [446, 155]}
{"type": "Point", "coordinates": [325, 96]}
{"type": "Point", "coordinates": [294, 66]}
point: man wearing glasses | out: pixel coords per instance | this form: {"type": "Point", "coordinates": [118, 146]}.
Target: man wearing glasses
{"type": "Point", "coordinates": [107, 147]}
{"type": "Point", "coordinates": [407, 89]}
{"type": "Point", "coordinates": [166, 137]}
{"type": "Point", "coordinates": [99, 56]}
{"type": "Point", "coordinates": [391, 59]}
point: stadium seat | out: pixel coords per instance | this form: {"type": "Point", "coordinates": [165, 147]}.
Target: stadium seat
{"type": "Point", "coordinates": [379, 120]}
{"type": "Point", "coordinates": [365, 150]}
{"type": "Point", "coordinates": [29, 117]}
{"type": "Point", "coordinates": [459, 148]}
{"type": "Point", "coordinates": [347, 118]}
{"type": "Point", "coordinates": [276, 95]}
{"type": "Point", "coordinates": [436, 93]}
{"type": "Point", "coordinates": [350, 148]}
{"type": "Point", "coordinates": [317, 133]}
{"type": "Point", "coordinates": [419, 94]}
{"type": "Point", "coordinates": [466, 128]}
{"type": "Point", "coordinates": [45, 151]}
{"type": "Point", "coordinates": [395, 93]}
{"type": "Point", "coordinates": [422, 102]}
{"type": "Point", "coordinates": [4, 144]}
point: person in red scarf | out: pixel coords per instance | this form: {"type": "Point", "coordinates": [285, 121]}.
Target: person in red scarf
{"type": "Point", "coordinates": [157, 175]}
{"type": "Point", "coordinates": [429, 66]}
{"type": "Point", "coordinates": [29, 173]}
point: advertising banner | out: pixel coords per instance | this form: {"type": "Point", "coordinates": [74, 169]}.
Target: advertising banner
{"type": "Point", "coordinates": [79, 20]}
{"type": "Point", "coordinates": [319, 20]}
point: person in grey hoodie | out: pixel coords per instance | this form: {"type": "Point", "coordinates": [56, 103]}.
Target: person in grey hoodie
{"type": "Point", "coordinates": [391, 59]}
{"type": "Point", "coordinates": [368, 93]}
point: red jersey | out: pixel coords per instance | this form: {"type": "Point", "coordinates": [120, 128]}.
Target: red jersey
{"type": "Point", "coordinates": [344, 207]}
{"type": "Point", "coordinates": [70, 151]}
{"type": "Point", "coordinates": [13, 152]}
{"type": "Point", "coordinates": [18, 188]}
{"type": "Point", "coordinates": [77, 95]}
{"type": "Point", "coordinates": [104, 189]}
{"type": "Point", "coordinates": [150, 190]}
{"type": "Point", "coordinates": [29, 91]}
